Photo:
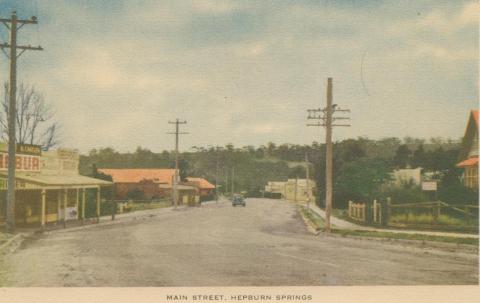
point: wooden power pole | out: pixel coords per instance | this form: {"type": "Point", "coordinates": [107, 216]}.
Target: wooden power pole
{"type": "Point", "coordinates": [13, 25]}
{"type": "Point", "coordinates": [326, 119]}
{"type": "Point", "coordinates": [233, 179]}
{"type": "Point", "coordinates": [176, 176]}
{"type": "Point", "coordinates": [216, 175]}
{"type": "Point", "coordinates": [307, 180]}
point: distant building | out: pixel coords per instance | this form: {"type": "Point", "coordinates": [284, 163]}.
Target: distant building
{"type": "Point", "coordinates": [153, 183]}
{"type": "Point", "coordinates": [469, 152]}
{"type": "Point", "coordinates": [293, 189]}
{"type": "Point", "coordinates": [156, 183]}
{"type": "Point", "coordinates": [205, 188]}
{"type": "Point", "coordinates": [407, 175]}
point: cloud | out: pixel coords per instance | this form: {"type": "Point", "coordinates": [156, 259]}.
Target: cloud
{"type": "Point", "coordinates": [216, 6]}
{"type": "Point", "coordinates": [246, 71]}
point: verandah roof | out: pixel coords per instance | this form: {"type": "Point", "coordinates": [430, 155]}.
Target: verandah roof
{"type": "Point", "coordinates": [58, 180]}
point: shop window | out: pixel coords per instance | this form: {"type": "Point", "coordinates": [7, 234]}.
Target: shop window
{"type": "Point", "coordinates": [471, 177]}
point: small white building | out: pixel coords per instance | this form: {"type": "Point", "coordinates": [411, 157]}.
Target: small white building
{"type": "Point", "coordinates": [407, 175]}
{"type": "Point", "coordinates": [293, 189]}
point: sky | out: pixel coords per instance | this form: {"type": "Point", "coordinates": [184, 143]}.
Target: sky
{"type": "Point", "coordinates": [245, 72]}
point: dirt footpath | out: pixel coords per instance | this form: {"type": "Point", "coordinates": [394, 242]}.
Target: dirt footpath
{"type": "Point", "coordinates": [263, 244]}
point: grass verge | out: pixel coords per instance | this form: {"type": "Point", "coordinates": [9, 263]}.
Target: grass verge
{"type": "Point", "coordinates": [405, 236]}
{"type": "Point", "coordinates": [317, 221]}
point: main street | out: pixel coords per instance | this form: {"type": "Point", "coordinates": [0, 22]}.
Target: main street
{"type": "Point", "coordinates": [263, 244]}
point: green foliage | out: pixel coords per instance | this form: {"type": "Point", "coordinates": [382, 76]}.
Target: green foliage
{"type": "Point", "coordinates": [135, 194]}
{"type": "Point", "coordinates": [426, 219]}
{"type": "Point", "coordinates": [402, 156]}
{"type": "Point", "coordinates": [405, 193]}
{"type": "Point", "coordinates": [360, 180]}
{"type": "Point", "coordinates": [452, 191]}
{"type": "Point", "coordinates": [360, 165]}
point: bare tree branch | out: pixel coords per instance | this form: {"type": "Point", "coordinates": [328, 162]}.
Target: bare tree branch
{"type": "Point", "coordinates": [34, 118]}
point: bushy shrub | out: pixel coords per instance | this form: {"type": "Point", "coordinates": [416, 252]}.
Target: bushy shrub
{"type": "Point", "coordinates": [407, 192]}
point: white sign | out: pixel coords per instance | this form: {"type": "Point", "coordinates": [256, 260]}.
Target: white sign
{"type": "Point", "coordinates": [429, 186]}
{"type": "Point", "coordinates": [70, 213]}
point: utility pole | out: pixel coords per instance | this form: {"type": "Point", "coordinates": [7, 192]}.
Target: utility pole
{"type": "Point", "coordinates": [226, 181]}
{"type": "Point", "coordinates": [175, 179]}
{"type": "Point", "coordinates": [296, 189]}
{"type": "Point", "coordinates": [13, 25]}
{"type": "Point", "coordinates": [233, 179]}
{"type": "Point", "coordinates": [216, 176]}
{"type": "Point", "coordinates": [307, 179]}
{"type": "Point", "coordinates": [326, 118]}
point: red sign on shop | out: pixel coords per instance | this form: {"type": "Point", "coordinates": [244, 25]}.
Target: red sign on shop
{"type": "Point", "coordinates": [22, 162]}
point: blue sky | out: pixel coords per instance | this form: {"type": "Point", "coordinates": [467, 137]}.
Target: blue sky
{"type": "Point", "coordinates": [246, 71]}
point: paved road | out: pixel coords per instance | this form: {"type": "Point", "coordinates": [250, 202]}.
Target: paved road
{"type": "Point", "coordinates": [265, 243]}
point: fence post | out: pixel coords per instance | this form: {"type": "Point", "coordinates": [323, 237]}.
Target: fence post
{"type": "Point", "coordinates": [380, 218]}
{"type": "Point", "coordinates": [436, 211]}
{"type": "Point", "coordinates": [467, 215]}
{"type": "Point", "coordinates": [114, 209]}
{"type": "Point", "coordinates": [386, 211]}
{"type": "Point", "coordinates": [368, 212]}
{"type": "Point", "coordinates": [350, 209]}
{"type": "Point", "coordinates": [362, 211]}
{"type": "Point", "coordinates": [374, 211]}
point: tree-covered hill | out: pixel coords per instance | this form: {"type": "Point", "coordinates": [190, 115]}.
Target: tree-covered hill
{"type": "Point", "coordinates": [361, 165]}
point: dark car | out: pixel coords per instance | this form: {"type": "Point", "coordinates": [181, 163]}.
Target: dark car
{"type": "Point", "coordinates": [238, 200]}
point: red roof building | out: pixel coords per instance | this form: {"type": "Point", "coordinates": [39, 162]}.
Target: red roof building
{"type": "Point", "coordinates": [205, 187]}
{"type": "Point", "coordinates": [147, 182]}
{"type": "Point", "coordinates": [469, 152]}
{"type": "Point", "coordinates": [152, 183]}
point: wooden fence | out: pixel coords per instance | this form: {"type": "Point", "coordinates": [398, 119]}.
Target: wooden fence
{"type": "Point", "coordinates": [426, 214]}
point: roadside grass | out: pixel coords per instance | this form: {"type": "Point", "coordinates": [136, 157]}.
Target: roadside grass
{"type": "Point", "coordinates": [315, 219]}
{"type": "Point", "coordinates": [405, 236]}
{"type": "Point", "coordinates": [131, 207]}
{"type": "Point", "coordinates": [425, 219]}
{"type": "Point", "coordinates": [318, 222]}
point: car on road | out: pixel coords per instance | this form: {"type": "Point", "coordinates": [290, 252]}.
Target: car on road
{"type": "Point", "coordinates": [238, 200]}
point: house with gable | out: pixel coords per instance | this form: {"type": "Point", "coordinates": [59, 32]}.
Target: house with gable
{"type": "Point", "coordinates": [469, 152]}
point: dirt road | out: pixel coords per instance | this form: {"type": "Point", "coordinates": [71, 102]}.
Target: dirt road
{"type": "Point", "coordinates": [265, 243]}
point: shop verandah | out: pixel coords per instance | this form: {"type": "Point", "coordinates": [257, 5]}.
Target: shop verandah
{"type": "Point", "coordinates": [43, 200]}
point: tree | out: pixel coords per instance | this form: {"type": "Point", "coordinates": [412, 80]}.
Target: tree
{"type": "Point", "coordinates": [360, 180]}
{"type": "Point", "coordinates": [402, 156]}
{"type": "Point", "coordinates": [35, 118]}
{"type": "Point", "coordinates": [420, 158]}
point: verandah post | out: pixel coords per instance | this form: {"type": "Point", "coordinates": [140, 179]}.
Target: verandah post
{"type": "Point", "coordinates": [43, 193]}
{"type": "Point", "coordinates": [83, 205]}
{"type": "Point", "coordinates": [98, 204]}
{"type": "Point", "coordinates": [65, 197]}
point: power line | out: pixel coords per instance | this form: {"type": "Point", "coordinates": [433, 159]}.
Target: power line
{"type": "Point", "coordinates": [325, 117]}
{"type": "Point", "coordinates": [175, 179]}
{"type": "Point", "coordinates": [13, 25]}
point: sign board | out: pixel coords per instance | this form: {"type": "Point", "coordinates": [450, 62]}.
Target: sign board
{"type": "Point", "coordinates": [71, 213]}
{"type": "Point", "coordinates": [27, 157]}
{"type": "Point", "coordinates": [429, 186]}
{"type": "Point", "coordinates": [22, 162]}
{"type": "Point", "coordinates": [61, 161]}
{"type": "Point", "coordinates": [29, 149]}
{"type": "Point", "coordinates": [19, 184]}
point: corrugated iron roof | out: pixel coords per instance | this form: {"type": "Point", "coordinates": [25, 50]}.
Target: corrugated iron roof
{"type": "Point", "coordinates": [202, 183]}
{"type": "Point", "coordinates": [135, 175]}
{"type": "Point", "coordinates": [469, 162]}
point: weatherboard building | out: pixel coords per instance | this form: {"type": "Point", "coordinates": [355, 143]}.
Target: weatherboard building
{"type": "Point", "coordinates": [48, 186]}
